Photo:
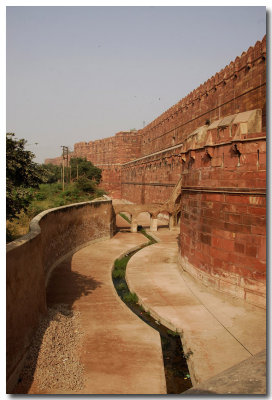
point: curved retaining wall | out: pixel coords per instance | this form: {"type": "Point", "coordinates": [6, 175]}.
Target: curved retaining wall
{"type": "Point", "coordinates": [53, 235]}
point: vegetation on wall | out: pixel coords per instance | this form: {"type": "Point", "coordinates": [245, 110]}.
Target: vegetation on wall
{"type": "Point", "coordinates": [33, 188]}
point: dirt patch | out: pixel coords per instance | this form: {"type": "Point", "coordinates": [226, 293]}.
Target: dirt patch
{"type": "Point", "coordinates": [53, 362]}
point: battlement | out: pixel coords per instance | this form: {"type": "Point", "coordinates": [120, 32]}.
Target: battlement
{"type": "Point", "coordinates": [246, 61]}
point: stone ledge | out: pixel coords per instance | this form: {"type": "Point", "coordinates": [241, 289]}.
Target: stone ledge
{"type": "Point", "coordinates": [247, 377]}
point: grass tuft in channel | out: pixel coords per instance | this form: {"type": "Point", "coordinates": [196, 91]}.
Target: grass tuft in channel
{"type": "Point", "coordinates": [125, 217]}
{"type": "Point", "coordinates": [121, 286]}
{"type": "Point", "coordinates": [172, 333]}
{"type": "Point", "coordinates": [130, 298]}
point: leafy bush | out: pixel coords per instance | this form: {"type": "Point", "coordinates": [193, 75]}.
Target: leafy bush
{"type": "Point", "coordinates": [34, 209]}
{"type": "Point", "coordinates": [40, 196]}
{"type": "Point", "coordinates": [52, 173]}
{"type": "Point", "coordinates": [59, 203]}
{"type": "Point", "coordinates": [85, 184]}
{"type": "Point", "coordinates": [81, 167]}
{"type": "Point", "coordinates": [21, 175]}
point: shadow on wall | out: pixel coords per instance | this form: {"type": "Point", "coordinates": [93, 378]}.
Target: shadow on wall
{"type": "Point", "coordinates": [64, 288]}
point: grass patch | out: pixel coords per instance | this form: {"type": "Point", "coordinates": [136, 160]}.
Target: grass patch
{"type": "Point", "coordinates": [121, 286]}
{"type": "Point", "coordinates": [125, 217]}
{"type": "Point", "coordinates": [118, 273]}
{"type": "Point", "coordinates": [172, 333]}
{"type": "Point", "coordinates": [130, 298]}
{"type": "Point", "coordinates": [119, 270]}
{"type": "Point", "coordinates": [150, 238]}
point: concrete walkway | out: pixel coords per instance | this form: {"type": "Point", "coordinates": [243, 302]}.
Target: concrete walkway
{"type": "Point", "coordinates": [120, 353]}
{"type": "Point", "coordinates": [218, 330]}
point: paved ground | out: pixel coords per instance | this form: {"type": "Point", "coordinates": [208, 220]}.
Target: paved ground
{"type": "Point", "coordinates": [120, 353]}
{"type": "Point", "coordinates": [219, 330]}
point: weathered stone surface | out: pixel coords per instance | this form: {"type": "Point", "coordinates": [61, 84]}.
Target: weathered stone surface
{"type": "Point", "coordinates": [247, 377]}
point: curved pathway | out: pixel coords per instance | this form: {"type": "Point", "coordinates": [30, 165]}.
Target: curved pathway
{"type": "Point", "coordinates": [120, 353]}
{"type": "Point", "coordinates": [219, 330]}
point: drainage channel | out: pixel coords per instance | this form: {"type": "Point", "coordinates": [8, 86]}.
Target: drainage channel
{"type": "Point", "coordinates": [175, 365]}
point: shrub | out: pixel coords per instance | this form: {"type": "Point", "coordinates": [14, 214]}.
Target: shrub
{"type": "Point", "coordinates": [34, 209]}
{"type": "Point", "coordinates": [85, 185]}
{"type": "Point", "coordinates": [58, 203]}
{"type": "Point", "coordinates": [40, 196]}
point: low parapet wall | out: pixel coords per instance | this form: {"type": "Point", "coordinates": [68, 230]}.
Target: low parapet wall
{"type": "Point", "coordinates": [53, 235]}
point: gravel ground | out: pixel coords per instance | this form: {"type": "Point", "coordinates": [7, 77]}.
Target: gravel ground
{"type": "Point", "coordinates": [53, 361]}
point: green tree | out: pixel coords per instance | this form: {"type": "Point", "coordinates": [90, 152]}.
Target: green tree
{"type": "Point", "coordinates": [22, 174]}
{"type": "Point", "coordinates": [51, 172]}
{"type": "Point", "coordinates": [86, 185]}
{"type": "Point", "coordinates": [83, 168]}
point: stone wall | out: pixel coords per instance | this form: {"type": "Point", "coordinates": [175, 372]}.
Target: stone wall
{"type": "Point", "coordinates": [223, 207]}
{"type": "Point", "coordinates": [239, 87]}
{"type": "Point", "coordinates": [214, 139]}
{"type": "Point", "coordinates": [53, 235]}
{"type": "Point", "coordinates": [122, 147]}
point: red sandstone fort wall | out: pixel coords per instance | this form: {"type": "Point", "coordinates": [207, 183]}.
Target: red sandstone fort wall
{"type": "Point", "coordinates": [223, 212]}
{"type": "Point", "coordinates": [122, 147]}
{"type": "Point", "coordinates": [239, 87]}
{"type": "Point", "coordinates": [214, 139]}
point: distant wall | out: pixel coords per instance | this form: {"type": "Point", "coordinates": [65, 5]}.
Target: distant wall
{"type": "Point", "coordinates": [121, 147]}
{"type": "Point", "coordinates": [30, 259]}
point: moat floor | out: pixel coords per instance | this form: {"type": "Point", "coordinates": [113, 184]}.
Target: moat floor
{"type": "Point", "coordinates": [219, 330]}
{"type": "Point", "coordinates": [119, 353]}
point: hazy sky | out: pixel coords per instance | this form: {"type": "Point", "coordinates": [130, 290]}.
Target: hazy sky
{"type": "Point", "coordinates": [84, 73]}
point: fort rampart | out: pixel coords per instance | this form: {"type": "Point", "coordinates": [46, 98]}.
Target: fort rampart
{"type": "Point", "coordinates": [215, 140]}
{"type": "Point", "coordinates": [54, 234]}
